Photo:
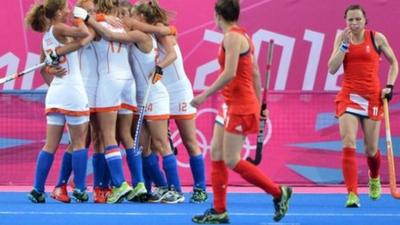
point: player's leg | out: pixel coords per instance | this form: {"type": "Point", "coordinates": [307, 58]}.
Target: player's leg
{"type": "Point", "coordinates": [133, 157]}
{"type": "Point", "coordinates": [371, 137]}
{"type": "Point", "coordinates": [78, 127]}
{"type": "Point", "coordinates": [101, 174]}
{"type": "Point", "coordinates": [60, 192]}
{"type": "Point", "coordinates": [151, 166]}
{"type": "Point", "coordinates": [348, 125]}
{"type": "Point", "coordinates": [187, 131]}
{"type": "Point", "coordinates": [107, 124]}
{"type": "Point", "coordinates": [219, 180]}
{"type": "Point", "coordinates": [158, 129]}
{"type": "Point", "coordinates": [54, 131]}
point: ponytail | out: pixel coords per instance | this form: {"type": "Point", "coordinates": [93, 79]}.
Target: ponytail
{"type": "Point", "coordinates": [153, 13]}
{"type": "Point", "coordinates": [36, 18]}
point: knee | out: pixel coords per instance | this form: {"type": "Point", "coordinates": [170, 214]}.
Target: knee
{"type": "Point", "coordinates": [370, 150]}
{"type": "Point", "coordinates": [51, 148]}
{"type": "Point", "coordinates": [216, 153]}
{"type": "Point", "coordinates": [160, 146]}
{"type": "Point", "coordinates": [192, 147]}
{"type": "Point", "coordinates": [349, 142]}
{"type": "Point", "coordinates": [125, 137]}
{"type": "Point", "coordinates": [231, 161]}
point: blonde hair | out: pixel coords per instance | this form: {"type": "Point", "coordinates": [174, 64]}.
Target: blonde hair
{"type": "Point", "coordinates": [81, 2]}
{"type": "Point", "coordinates": [38, 16]}
{"type": "Point", "coordinates": [153, 13]}
{"type": "Point", "coordinates": [124, 8]}
{"type": "Point", "coordinates": [106, 6]}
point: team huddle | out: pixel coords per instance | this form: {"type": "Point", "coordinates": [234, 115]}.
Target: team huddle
{"type": "Point", "coordinates": [116, 77]}
{"type": "Point", "coordinates": [100, 73]}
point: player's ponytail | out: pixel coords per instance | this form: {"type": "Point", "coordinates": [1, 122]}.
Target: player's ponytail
{"type": "Point", "coordinates": [153, 13]}
{"type": "Point", "coordinates": [36, 18]}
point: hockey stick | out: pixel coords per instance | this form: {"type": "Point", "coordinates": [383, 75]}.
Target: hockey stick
{"type": "Point", "coordinates": [263, 120]}
{"type": "Point", "coordinates": [138, 150]}
{"type": "Point", "coordinates": [389, 148]}
{"type": "Point", "coordinates": [22, 73]}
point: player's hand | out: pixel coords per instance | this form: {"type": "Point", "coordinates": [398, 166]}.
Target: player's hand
{"type": "Point", "coordinates": [158, 73]}
{"type": "Point", "coordinates": [114, 21]}
{"type": "Point", "coordinates": [57, 71]}
{"type": "Point", "coordinates": [346, 35]}
{"type": "Point", "coordinates": [52, 58]}
{"type": "Point", "coordinates": [81, 13]}
{"type": "Point", "coordinates": [198, 100]}
{"type": "Point", "coordinates": [387, 92]}
{"type": "Point", "coordinates": [173, 31]}
{"type": "Point", "coordinates": [265, 114]}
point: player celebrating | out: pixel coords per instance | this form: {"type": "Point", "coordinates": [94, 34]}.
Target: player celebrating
{"type": "Point", "coordinates": [66, 100]}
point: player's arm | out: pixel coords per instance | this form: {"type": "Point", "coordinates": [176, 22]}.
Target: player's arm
{"type": "Point", "coordinates": [148, 28]}
{"type": "Point", "coordinates": [383, 45]}
{"type": "Point", "coordinates": [129, 37]}
{"type": "Point", "coordinates": [43, 71]}
{"type": "Point", "coordinates": [340, 48]}
{"type": "Point", "coordinates": [170, 55]}
{"type": "Point", "coordinates": [256, 79]}
{"type": "Point", "coordinates": [80, 30]}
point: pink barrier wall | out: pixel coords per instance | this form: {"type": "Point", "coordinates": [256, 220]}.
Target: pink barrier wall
{"type": "Point", "coordinates": [303, 143]}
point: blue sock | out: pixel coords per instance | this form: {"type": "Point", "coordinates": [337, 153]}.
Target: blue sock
{"type": "Point", "coordinates": [106, 181]}
{"type": "Point", "coordinates": [99, 164]}
{"type": "Point", "coordinates": [135, 166]}
{"type": "Point", "coordinates": [43, 165]}
{"type": "Point", "coordinates": [197, 168]}
{"type": "Point", "coordinates": [65, 170]}
{"type": "Point", "coordinates": [114, 162]}
{"type": "Point", "coordinates": [147, 180]}
{"type": "Point", "coordinates": [171, 170]}
{"type": "Point", "coordinates": [151, 165]}
{"type": "Point", "coordinates": [79, 165]}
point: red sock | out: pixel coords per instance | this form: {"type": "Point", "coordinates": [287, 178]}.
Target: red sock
{"type": "Point", "coordinates": [254, 175]}
{"type": "Point", "coordinates": [219, 181]}
{"type": "Point", "coordinates": [349, 164]}
{"type": "Point", "coordinates": [374, 163]}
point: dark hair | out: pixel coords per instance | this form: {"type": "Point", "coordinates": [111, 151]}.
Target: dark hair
{"type": "Point", "coordinates": [37, 17]}
{"type": "Point", "coordinates": [153, 13]}
{"type": "Point", "coordinates": [228, 9]}
{"type": "Point", "coordinates": [355, 7]}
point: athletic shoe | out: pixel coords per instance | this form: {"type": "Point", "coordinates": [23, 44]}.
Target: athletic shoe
{"type": "Point", "coordinates": [158, 195]}
{"type": "Point", "coordinates": [80, 196]}
{"type": "Point", "coordinates": [173, 197]}
{"type": "Point", "coordinates": [138, 192]}
{"type": "Point", "coordinates": [352, 201]}
{"type": "Point", "coordinates": [100, 195]}
{"type": "Point", "coordinates": [282, 205]}
{"type": "Point", "coordinates": [211, 216]}
{"type": "Point", "coordinates": [199, 196]}
{"type": "Point", "coordinates": [61, 194]}
{"type": "Point", "coordinates": [37, 197]}
{"type": "Point", "coordinates": [374, 188]}
{"type": "Point", "coordinates": [118, 193]}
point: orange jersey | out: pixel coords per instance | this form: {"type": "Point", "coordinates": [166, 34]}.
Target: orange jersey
{"type": "Point", "coordinates": [239, 93]}
{"type": "Point", "coordinates": [361, 67]}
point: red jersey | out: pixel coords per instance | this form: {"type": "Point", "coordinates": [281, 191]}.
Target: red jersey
{"type": "Point", "coordinates": [360, 92]}
{"type": "Point", "coordinates": [361, 67]}
{"type": "Point", "coordinates": [239, 93]}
